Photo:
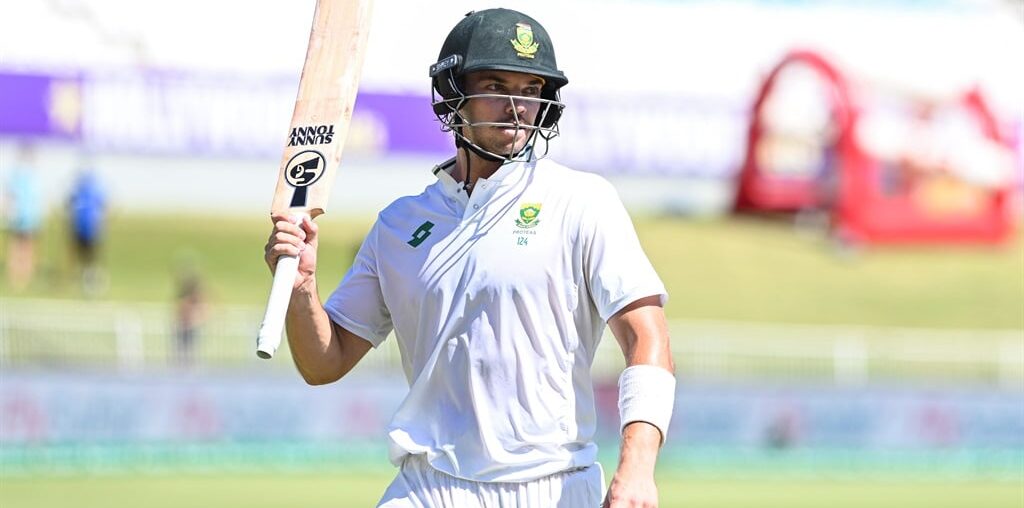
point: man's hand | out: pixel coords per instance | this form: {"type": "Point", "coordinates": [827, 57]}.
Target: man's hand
{"type": "Point", "coordinates": [290, 239]}
{"type": "Point", "coordinates": [633, 484]}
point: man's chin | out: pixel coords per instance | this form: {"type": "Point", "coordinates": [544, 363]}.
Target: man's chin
{"type": "Point", "coordinates": [511, 149]}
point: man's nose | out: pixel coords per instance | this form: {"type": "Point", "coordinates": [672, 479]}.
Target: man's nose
{"type": "Point", "coordinates": [515, 106]}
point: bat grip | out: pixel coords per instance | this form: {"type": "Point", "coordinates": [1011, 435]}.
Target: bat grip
{"type": "Point", "coordinates": [271, 329]}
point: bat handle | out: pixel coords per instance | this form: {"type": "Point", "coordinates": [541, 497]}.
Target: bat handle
{"type": "Point", "coordinates": [272, 327]}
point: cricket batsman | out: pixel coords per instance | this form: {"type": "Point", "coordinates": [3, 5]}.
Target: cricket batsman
{"type": "Point", "coordinates": [497, 281]}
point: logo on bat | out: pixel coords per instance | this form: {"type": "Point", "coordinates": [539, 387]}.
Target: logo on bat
{"type": "Point", "coordinates": [311, 135]}
{"type": "Point", "coordinates": [303, 170]}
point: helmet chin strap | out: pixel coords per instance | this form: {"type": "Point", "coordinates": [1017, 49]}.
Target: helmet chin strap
{"type": "Point", "coordinates": [461, 142]}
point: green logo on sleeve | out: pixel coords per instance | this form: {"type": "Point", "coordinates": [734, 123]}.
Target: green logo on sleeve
{"type": "Point", "coordinates": [421, 234]}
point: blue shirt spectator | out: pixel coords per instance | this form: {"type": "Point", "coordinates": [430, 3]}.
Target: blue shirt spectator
{"type": "Point", "coordinates": [88, 204]}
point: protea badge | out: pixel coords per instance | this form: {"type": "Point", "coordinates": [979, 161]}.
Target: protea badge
{"type": "Point", "coordinates": [528, 213]}
{"type": "Point", "coordinates": [523, 43]}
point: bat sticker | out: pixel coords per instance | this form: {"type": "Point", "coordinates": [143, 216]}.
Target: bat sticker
{"type": "Point", "coordinates": [303, 170]}
{"type": "Point", "coordinates": [314, 135]}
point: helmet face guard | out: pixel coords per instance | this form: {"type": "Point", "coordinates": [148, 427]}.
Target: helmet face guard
{"type": "Point", "coordinates": [501, 40]}
{"type": "Point", "coordinates": [544, 126]}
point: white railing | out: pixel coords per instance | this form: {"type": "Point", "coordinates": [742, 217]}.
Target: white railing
{"type": "Point", "coordinates": [135, 336]}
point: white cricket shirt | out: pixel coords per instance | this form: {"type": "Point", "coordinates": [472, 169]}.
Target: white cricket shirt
{"type": "Point", "coordinates": [498, 301]}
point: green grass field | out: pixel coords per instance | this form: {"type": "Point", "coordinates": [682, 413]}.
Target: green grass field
{"type": "Point", "coordinates": [728, 269]}
{"type": "Point", "coordinates": [721, 269]}
{"type": "Point", "coordinates": [351, 490]}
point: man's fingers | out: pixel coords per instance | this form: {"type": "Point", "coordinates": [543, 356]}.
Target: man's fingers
{"type": "Point", "coordinates": [291, 228]}
{"type": "Point", "coordinates": [281, 243]}
{"type": "Point", "coordinates": [281, 249]}
{"type": "Point", "coordinates": [309, 229]}
{"type": "Point", "coordinates": [281, 217]}
{"type": "Point", "coordinates": [631, 495]}
{"type": "Point", "coordinates": [287, 238]}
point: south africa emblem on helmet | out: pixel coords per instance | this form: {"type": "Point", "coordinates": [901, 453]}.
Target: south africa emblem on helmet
{"type": "Point", "coordinates": [524, 44]}
{"type": "Point", "coordinates": [528, 213]}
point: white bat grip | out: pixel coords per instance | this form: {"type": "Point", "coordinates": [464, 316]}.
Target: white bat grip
{"type": "Point", "coordinates": [269, 337]}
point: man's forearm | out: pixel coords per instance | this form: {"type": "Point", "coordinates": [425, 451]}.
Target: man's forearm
{"type": "Point", "coordinates": [314, 348]}
{"type": "Point", "coordinates": [639, 453]}
{"type": "Point", "coordinates": [646, 394]}
{"type": "Point", "coordinates": [633, 483]}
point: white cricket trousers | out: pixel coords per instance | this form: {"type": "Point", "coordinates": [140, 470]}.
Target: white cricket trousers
{"type": "Point", "coordinates": [418, 485]}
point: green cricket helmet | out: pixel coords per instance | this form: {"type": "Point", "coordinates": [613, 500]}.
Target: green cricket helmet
{"type": "Point", "coordinates": [503, 40]}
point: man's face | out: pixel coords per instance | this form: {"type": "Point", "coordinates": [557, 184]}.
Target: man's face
{"type": "Point", "coordinates": [501, 139]}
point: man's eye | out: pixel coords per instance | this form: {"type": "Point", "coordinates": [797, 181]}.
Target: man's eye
{"type": "Point", "coordinates": [532, 92]}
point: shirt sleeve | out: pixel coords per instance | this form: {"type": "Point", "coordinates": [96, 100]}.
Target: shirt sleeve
{"type": "Point", "coordinates": [357, 304]}
{"type": "Point", "coordinates": [617, 269]}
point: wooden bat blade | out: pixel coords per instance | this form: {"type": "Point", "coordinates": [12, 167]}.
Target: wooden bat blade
{"type": "Point", "coordinates": [323, 107]}
{"type": "Point", "coordinates": [319, 126]}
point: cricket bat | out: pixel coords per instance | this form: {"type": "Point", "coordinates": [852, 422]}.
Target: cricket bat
{"type": "Point", "coordinates": [312, 152]}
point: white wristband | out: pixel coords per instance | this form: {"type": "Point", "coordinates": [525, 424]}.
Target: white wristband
{"type": "Point", "coordinates": [646, 394]}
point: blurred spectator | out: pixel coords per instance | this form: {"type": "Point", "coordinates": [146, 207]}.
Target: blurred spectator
{"type": "Point", "coordinates": [938, 425]}
{"type": "Point", "coordinates": [87, 205]}
{"type": "Point", "coordinates": [23, 209]}
{"type": "Point", "coordinates": [784, 429]}
{"type": "Point", "coordinates": [190, 312]}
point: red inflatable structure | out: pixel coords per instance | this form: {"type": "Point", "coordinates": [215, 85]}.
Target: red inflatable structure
{"type": "Point", "coordinates": [901, 170]}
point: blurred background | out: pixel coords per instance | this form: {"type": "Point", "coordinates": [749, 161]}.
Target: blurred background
{"type": "Point", "coordinates": [830, 189]}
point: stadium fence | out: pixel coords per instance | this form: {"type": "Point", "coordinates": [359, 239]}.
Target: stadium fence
{"type": "Point", "coordinates": [132, 336]}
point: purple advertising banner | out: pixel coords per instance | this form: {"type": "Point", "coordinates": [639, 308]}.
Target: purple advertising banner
{"type": "Point", "coordinates": [411, 125]}
{"type": "Point", "coordinates": [188, 114]}
{"type": "Point", "coordinates": [168, 113]}
{"type": "Point", "coordinates": [40, 106]}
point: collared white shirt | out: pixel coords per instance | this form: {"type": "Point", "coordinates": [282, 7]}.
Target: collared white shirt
{"type": "Point", "coordinates": [497, 301]}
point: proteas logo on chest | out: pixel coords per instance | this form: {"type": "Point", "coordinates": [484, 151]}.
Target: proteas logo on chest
{"type": "Point", "coordinates": [528, 213]}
